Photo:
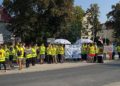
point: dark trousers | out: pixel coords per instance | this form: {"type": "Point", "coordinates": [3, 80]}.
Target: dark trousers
{"type": "Point", "coordinates": [49, 59]}
{"type": "Point", "coordinates": [99, 59]}
{"type": "Point", "coordinates": [60, 58]}
{"type": "Point", "coordinates": [95, 58]}
{"type": "Point", "coordinates": [33, 61]}
{"type": "Point", "coordinates": [119, 54]}
{"type": "Point", "coordinates": [84, 56]}
{"type": "Point", "coordinates": [4, 65]}
{"type": "Point", "coordinates": [113, 55]}
{"type": "Point", "coordinates": [28, 61]}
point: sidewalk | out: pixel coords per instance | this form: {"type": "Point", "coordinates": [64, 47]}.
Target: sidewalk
{"type": "Point", "coordinates": [46, 67]}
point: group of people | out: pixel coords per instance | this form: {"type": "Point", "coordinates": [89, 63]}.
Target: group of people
{"type": "Point", "coordinates": [92, 53]}
{"type": "Point", "coordinates": [26, 54]}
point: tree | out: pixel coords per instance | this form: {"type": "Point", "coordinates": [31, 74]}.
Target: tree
{"type": "Point", "coordinates": [39, 19]}
{"type": "Point", "coordinates": [114, 19]}
{"type": "Point", "coordinates": [76, 24]}
{"type": "Point", "coordinates": [93, 19]}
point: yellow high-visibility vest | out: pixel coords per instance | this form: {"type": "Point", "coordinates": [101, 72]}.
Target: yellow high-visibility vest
{"type": "Point", "coordinates": [61, 50]}
{"type": "Point", "coordinates": [28, 53]}
{"type": "Point", "coordinates": [118, 48]}
{"type": "Point", "coordinates": [54, 51]}
{"type": "Point", "coordinates": [34, 53]}
{"type": "Point", "coordinates": [92, 50]}
{"type": "Point", "coordinates": [42, 50]}
{"type": "Point", "coordinates": [21, 49]}
{"type": "Point", "coordinates": [2, 55]}
{"type": "Point", "coordinates": [49, 51]}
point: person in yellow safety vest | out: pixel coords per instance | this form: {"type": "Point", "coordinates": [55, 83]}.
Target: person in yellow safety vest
{"type": "Point", "coordinates": [42, 53]}
{"type": "Point", "coordinates": [118, 50]}
{"type": "Point", "coordinates": [28, 55]}
{"type": "Point", "coordinates": [61, 54]}
{"type": "Point", "coordinates": [96, 52]}
{"type": "Point", "coordinates": [34, 55]}
{"type": "Point", "coordinates": [2, 58]}
{"type": "Point", "coordinates": [54, 54]}
{"type": "Point", "coordinates": [100, 55]}
{"type": "Point", "coordinates": [91, 52]}
{"type": "Point", "coordinates": [6, 55]}
{"type": "Point", "coordinates": [11, 56]}
{"type": "Point", "coordinates": [49, 54]}
{"type": "Point", "coordinates": [84, 52]}
{"type": "Point", "coordinates": [20, 56]}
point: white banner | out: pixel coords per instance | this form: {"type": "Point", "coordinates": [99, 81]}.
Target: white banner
{"type": "Point", "coordinates": [108, 49]}
{"type": "Point", "coordinates": [72, 51]}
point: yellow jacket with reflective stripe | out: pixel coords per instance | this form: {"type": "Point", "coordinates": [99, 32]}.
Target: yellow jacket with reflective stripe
{"type": "Point", "coordinates": [21, 49]}
{"type": "Point", "coordinates": [42, 50]}
{"type": "Point", "coordinates": [92, 50]}
{"type": "Point", "coordinates": [2, 55]}
{"type": "Point", "coordinates": [61, 50]}
{"type": "Point", "coordinates": [49, 51]}
{"type": "Point", "coordinates": [54, 51]}
{"type": "Point", "coordinates": [28, 52]}
{"type": "Point", "coordinates": [118, 48]}
{"type": "Point", "coordinates": [34, 53]}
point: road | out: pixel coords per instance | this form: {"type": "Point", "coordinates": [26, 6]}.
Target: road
{"type": "Point", "coordinates": [95, 75]}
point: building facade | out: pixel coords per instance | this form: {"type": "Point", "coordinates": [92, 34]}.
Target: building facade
{"type": "Point", "coordinates": [4, 22]}
{"type": "Point", "coordinates": [106, 32]}
{"type": "Point", "coordinates": [86, 33]}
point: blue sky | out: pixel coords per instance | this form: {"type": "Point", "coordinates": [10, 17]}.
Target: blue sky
{"type": "Point", "coordinates": [105, 6]}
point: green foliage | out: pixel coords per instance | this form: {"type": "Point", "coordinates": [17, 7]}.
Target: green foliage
{"type": "Point", "coordinates": [93, 18]}
{"type": "Point", "coordinates": [76, 24]}
{"type": "Point", "coordinates": [114, 19]}
{"type": "Point", "coordinates": [39, 19]}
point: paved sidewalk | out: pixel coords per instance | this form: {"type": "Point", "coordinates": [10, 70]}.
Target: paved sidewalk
{"type": "Point", "coordinates": [46, 67]}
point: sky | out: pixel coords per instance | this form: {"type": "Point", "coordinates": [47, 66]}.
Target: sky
{"type": "Point", "coordinates": [105, 6]}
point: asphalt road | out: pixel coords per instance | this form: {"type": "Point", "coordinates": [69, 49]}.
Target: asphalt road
{"type": "Point", "coordinates": [94, 75]}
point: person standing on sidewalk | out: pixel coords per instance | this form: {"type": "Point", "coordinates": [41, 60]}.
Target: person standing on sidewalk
{"type": "Point", "coordinates": [54, 54]}
{"type": "Point", "coordinates": [118, 50]}
{"type": "Point", "coordinates": [49, 54]}
{"type": "Point", "coordinates": [11, 56]}
{"type": "Point", "coordinates": [91, 53]}
{"type": "Point", "coordinates": [61, 54]}
{"type": "Point", "coordinates": [20, 56]}
{"type": "Point", "coordinates": [7, 55]}
{"type": "Point", "coordinates": [96, 52]}
{"type": "Point", "coordinates": [2, 58]}
{"type": "Point", "coordinates": [84, 52]}
{"type": "Point", "coordinates": [28, 55]}
{"type": "Point", "coordinates": [34, 55]}
{"type": "Point", "coordinates": [100, 55]}
{"type": "Point", "coordinates": [42, 53]}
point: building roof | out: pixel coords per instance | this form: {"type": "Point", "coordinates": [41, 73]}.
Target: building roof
{"type": "Point", "coordinates": [4, 16]}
